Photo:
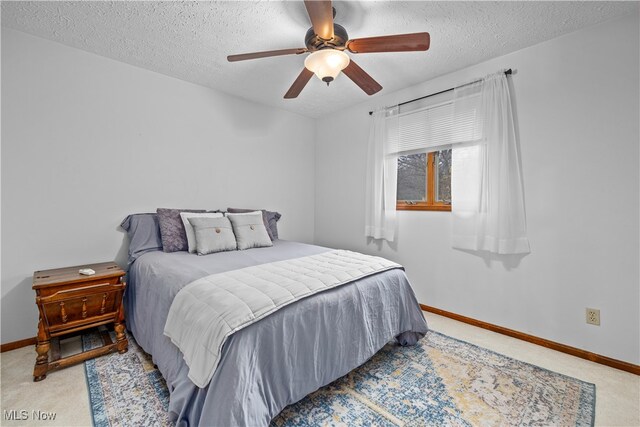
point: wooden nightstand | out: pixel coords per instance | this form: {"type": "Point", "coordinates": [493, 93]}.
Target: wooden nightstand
{"type": "Point", "coordinates": [69, 302]}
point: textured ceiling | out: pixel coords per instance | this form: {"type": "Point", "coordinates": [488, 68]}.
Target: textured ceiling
{"type": "Point", "coordinates": [190, 40]}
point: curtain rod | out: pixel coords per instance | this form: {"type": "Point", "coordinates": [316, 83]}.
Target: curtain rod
{"type": "Point", "coordinates": [507, 72]}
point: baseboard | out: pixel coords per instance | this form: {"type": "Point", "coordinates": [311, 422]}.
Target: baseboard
{"type": "Point", "coordinates": [583, 354]}
{"type": "Point", "coordinates": [17, 344]}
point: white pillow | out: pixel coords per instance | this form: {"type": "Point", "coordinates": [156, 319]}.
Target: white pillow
{"type": "Point", "coordinates": [191, 234]}
{"type": "Point", "coordinates": [243, 213]}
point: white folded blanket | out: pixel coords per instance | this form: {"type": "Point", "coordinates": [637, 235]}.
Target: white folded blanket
{"type": "Point", "coordinates": [207, 311]}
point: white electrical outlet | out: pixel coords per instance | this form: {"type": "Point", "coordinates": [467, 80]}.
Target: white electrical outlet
{"type": "Point", "coordinates": [593, 316]}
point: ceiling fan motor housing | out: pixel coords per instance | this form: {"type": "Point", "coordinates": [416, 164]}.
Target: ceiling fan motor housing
{"type": "Point", "coordinates": [340, 37]}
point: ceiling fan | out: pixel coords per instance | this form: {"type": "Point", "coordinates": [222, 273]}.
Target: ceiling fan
{"type": "Point", "coordinates": [327, 41]}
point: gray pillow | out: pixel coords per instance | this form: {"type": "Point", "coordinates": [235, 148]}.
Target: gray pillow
{"type": "Point", "coordinates": [269, 218]}
{"type": "Point", "coordinates": [144, 234]}
{"type": "Point", "coordinates": [272, 221]}
{"type": "Point", "coordinates": [249, 230]}
{"type": "Point", "coordinates": [172, 232]}
{"type": "Point", "coordinates": [213, 235]}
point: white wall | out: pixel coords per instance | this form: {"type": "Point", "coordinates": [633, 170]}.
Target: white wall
{"type": "Point", "coordinates": [87, 140]}
{"type": "Point", "coordinates": [577, 106]}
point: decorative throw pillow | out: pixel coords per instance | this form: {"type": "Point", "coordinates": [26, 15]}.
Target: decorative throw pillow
{"type": "Point", "coordinates": [249, 230]}
{"type": "Point", "coordinates": [272, 221]}
{"type": "Point", "coordinates": [269, 218]}
{"type": "Point", "coordinates": [213, 235]}
{"type": "Point", "coordinates": [144, 234]}
{"type": "Point", "coordinates": [172, 232]}
{"type": "Point", "coordinates": [188, 228]}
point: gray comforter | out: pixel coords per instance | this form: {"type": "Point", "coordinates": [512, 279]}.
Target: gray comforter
{"type": "Point", "coordinates": [280, 359]}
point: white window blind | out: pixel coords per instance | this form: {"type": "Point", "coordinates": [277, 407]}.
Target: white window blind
{"type": "Point", "coordinates": [433, 123]}
{"type": "Point", "coordinates": [468, 116]}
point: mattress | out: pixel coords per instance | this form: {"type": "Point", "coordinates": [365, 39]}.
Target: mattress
{"type": "Point", "coordinates": [283, 357]}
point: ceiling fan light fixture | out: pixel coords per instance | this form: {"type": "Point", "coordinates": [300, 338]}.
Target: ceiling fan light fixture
{"type": "Point", "coordinates": [327, 63]}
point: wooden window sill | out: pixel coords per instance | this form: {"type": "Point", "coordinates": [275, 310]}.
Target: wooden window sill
{"type": "Point", "coordinates": [423, 207]}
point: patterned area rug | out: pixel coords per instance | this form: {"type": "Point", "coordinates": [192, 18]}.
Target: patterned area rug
{"type": "Point", "coordinates": [441, 382]}
{"type": "Point", "coordinates": [125, 389]}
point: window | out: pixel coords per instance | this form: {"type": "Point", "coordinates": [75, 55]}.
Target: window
{"type": "Point", "coordinates": [423, 133]}
{"type": "Point", "coordinates": [424, 181]}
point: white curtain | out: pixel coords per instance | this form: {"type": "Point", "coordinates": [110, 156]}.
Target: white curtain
{"type": "Point", "coordinates": [382, 171]}
{"type": "Point", "coordinates": [486, 182]}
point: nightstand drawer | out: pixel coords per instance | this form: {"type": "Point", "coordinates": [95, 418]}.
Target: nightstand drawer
{"type": "Point", "coordinates": [76, 307]}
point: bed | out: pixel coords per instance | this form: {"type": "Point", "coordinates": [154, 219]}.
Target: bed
{"type": "Point", "coordinates": [279, 359]}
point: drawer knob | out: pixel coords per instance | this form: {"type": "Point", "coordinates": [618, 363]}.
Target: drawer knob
{"type": "Point", "coordinates": [84, 307]}
{"type": "Point", "coordinates": [104, 302]}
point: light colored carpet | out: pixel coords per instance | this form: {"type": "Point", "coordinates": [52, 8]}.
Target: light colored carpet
{"type": "Point", "coordinates": [65, 392]}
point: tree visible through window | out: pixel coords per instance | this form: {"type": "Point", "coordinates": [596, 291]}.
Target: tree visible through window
{"type": "Point", "coordinates": [424, 181]}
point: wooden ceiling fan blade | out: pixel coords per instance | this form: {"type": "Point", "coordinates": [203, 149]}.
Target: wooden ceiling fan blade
{"type": "Point", "coordinates": [395, 43]}
{"type": "Point", "coordinates": [361, 78]}
{"type": "Point", "coordinates": [299, 84]}
{"type": "Point", "coordinates": [265, 54]}
{"type": "Point", "coordinates": [321, 14]}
